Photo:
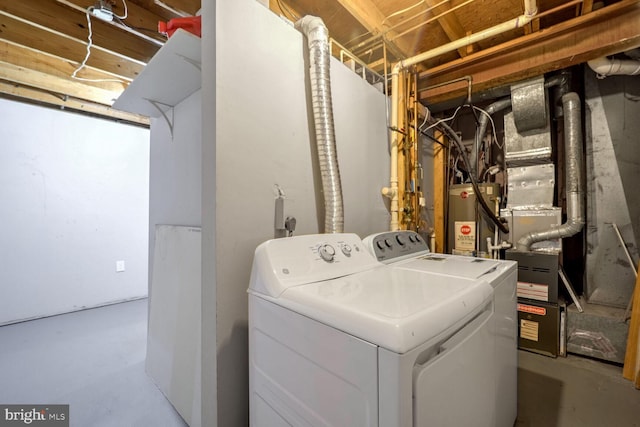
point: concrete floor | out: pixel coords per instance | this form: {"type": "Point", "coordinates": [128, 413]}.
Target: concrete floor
{"type": "Point", "coordinates": [94, 361]}
{"type": "Point", "coordinates": [574, 391]}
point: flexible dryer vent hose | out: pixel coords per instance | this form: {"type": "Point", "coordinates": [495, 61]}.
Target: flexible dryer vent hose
{"type": "Point", "coordinates": [318, 41]}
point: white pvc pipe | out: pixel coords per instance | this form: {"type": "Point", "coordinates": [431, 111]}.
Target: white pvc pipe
{"type": "Point", "coordinates": [609, 67]}
{"type": "Point", "coordinates": [392, 191]}
{"type": "Point", "coordinates": [530, 11]}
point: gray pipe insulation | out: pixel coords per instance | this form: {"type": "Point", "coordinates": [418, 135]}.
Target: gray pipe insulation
{"type": "Point", "coordinates": [318, 41]}
{"type": "Point", "coordinates": [573, 175]}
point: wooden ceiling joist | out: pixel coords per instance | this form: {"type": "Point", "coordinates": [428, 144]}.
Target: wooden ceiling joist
{"type": "Point", "coordinates": [180, 7]}
{"type": "Point", "coordinates": [60, 19]}
{"type": "Point", "coordinates": [368, 14]}
{"type": "Point", "coordinates": [29, 59]}
{"type": "Point", "coordinates": [45, 81]}
{"type": "Point", "coordinates": [141, 22]}
{"type": "Point", "coordinates": [45, 97]}
{"type": "Point", "coordinates": [37, 38]}
{"type": "Point", "coordinates": [606, 31]}
{"type": "Point", "coordinates": [451, 26]}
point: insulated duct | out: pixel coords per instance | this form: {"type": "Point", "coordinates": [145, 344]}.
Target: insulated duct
{"type": "Point", "coordinates": [499, 105]}
{"type": "Point", "coordinates": [573, 176]}
{"type": "Point", "coordinates": [318, 41]}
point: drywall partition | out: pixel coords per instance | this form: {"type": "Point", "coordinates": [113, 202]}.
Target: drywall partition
{"type": "Point", "coordinates": [175, 171]}
{"type": "Point", "coordinates": [262, 139]}
{"type": "Point", "coordinates": [209, 381]}
{"type": "Point", "coordinates": [173, 340]}
{"type": "Point", "coordinates": [74, 193]}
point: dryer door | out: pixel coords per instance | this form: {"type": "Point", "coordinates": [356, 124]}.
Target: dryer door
{"type": "Point", "coordinates": [456, 387]}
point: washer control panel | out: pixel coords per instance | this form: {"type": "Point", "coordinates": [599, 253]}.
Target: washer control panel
{"type": "Point", "coordinates": [391, 245]}
{"type": "Point", "coordinates": [282, 263]}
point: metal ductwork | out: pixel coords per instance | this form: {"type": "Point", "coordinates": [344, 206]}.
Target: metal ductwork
{"type": "Point", "coordinates": [573, 173]}
{"type": "Point", "coordinates": [318, 41]}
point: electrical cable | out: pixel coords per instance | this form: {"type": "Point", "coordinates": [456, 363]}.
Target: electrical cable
{"type": "Point", "coordinates": [442, 121]}
{"type": "Point", "coordinates": [86, 58]}
{"type": "Point", "coordinates": [148, 30]}
{"type": "Point", "coordinates": [406, 9]}
{"type": "Point", "coordinates": [89, 43]}
{"type": "Point", "coordinates": [126, 11]}
{"type": "Point", "coordinates": [493, 126]}
{"type": "Point", "coordinates": [474, 183]}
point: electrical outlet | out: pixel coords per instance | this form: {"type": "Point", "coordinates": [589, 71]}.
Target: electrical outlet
{"type": "Point", "coordinates": [119, 266]}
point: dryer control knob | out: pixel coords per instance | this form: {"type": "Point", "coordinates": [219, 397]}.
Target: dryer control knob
{"type": "Point", "coordinates": [400, 240]}
{"type": "Point", "coordinates": [346, 249]}
{"type": "Point", "coordinates": [327, 252]}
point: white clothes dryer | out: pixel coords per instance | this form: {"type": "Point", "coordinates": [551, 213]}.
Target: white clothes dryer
{"type": "Point", "coordinates": [407, 250]}
{"type": "Point", "coordinates": [338, 339]}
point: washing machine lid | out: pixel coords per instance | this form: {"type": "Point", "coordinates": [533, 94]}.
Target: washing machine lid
{"type": "Point", "coordinates": [397, 309]}
{"type": "Point", "coordinates": [453, 265]}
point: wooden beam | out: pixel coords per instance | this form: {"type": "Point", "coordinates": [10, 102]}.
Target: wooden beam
{"type": "Point", "coordinates": [603, 32]}
{"type": "Point", "coordinates": [48, 82]}
{"type": "Point", "coordinates": [31, 94]}
{"type": "Point", "coordinates": [138, 17]}
{"type": "Point", "coordinates": [451, 26]}
{"type": "Point", "coordinates": [61, 19]}
{"type": "Point", "coordinates": [440, 163]}
{"type": "Point", "coordinates": [631, 370]}
{"type": "Point", "coordinates": [368, 14]}
{"type": "Point", "coordinates": [283, 8]}
{"type": "Point", "coordinates": [35, 37]}
{"type": "Point", "coordinates": [587, 7]}
{"type": "Point", "coordinates": [180, 7]}
{"type": "Point", "coordinates": [29, 59]}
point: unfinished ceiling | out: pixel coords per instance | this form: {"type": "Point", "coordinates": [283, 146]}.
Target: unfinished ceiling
{"type": "Point", "coordinates": [44, 41]}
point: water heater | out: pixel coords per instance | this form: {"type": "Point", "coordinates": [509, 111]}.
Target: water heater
{"type": "Point", "coordinates": [468, 225]}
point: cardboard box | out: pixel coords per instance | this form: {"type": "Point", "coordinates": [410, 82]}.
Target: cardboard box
{"type": "Point", "coordinates": [542, 327]}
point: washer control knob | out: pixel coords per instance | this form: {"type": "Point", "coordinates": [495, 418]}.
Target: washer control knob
{"type": "Point", "coordinates": [400, 240]}
{"type": "Point", "coordinates": [387, 242]}
{"type": "Point", "coordinates": [412, 238]}
{"type": "Point", "coordinates": [380, 244]}
{"type": "Point", "coordinates": [327, 252]}
{"type": "Point", "coordinates": [346, 249]}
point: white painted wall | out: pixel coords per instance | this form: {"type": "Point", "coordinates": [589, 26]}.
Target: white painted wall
{"type": "Point", "coordinates": [262, 138]}
{"type": "Point", "coordinates": [175, 172]}
{"type": "Point", "coordinates": [209, 383]}
{"type": "Point", "coordinates": [74, 192]}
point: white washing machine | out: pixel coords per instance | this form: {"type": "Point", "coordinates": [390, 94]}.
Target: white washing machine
{"type": "Point", "coordinates": [338, 339]}
{"type": "Point", "coordinates": [407, 250]}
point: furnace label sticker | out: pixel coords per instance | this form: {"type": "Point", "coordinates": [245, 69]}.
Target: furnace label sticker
{"type": "Point", "coordinates": [533, 291]}
{"type": "Point", "coordinates": [529, 330]}
{"type": "Point", "coordinates": [465, 232]}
